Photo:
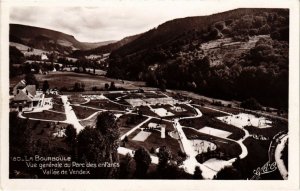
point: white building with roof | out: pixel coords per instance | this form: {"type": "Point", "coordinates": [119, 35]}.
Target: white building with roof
{"type": "Point", "coordinates": [27, 97]}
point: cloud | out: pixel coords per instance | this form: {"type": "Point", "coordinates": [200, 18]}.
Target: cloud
{"type": "Point", "coordinates": [110, 21]}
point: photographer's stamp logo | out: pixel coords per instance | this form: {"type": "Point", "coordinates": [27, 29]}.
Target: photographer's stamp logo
{"type": "Point", "coordinates": [265, 169]}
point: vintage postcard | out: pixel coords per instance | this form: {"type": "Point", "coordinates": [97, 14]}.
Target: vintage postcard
{"type": "Point", "coordinates": [135, 95]}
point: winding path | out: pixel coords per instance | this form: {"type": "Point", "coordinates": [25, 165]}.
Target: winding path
{"type": "Point", "coordinates": [278, 153]}
{"type": "Point", "coordinates": [191, 162]}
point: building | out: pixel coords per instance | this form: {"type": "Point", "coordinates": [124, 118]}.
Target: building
{"type": "Point", "coordinates": [26, 97]}
{"type": "Point", "coordinates": [20, 85]}
{"type": "Point", "coordinates": [44, 57]}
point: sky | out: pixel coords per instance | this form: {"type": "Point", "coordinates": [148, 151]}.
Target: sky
{"type": "Point", "coordinates": [109, 21]}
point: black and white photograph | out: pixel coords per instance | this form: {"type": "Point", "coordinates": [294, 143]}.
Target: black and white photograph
{"type": "Point", "coordinates": [176, 91]}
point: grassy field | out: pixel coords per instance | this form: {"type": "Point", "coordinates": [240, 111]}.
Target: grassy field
{"type": "Point", "coordinates": [48, 115]}
{"type": "Point", "coordinates": [229, 147]}
{"type": "Point", "coordinates": [83, 112]}
{"type": "Point", "coordinates": [67, 79]}
{"type": "Point", "coordinates": [205, 120]}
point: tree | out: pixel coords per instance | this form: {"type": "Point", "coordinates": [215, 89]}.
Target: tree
{"type": "Point", "coordinates": [106, 122]}
{"type": "Point", "coordinates": [164, 155]}
{"type": "Point", "coordinates": [197, 173]}
{"type": "Point", "coordinates": [90, 145]}
{"type": "Point", "coordinates": [251, 103]}
{"type": "Point", "coordinates": [143, 160]}
{"type": "Point", "coordinates": [71, 134]}
{"type": "Point", "coordinates": [108, 127]}
{"type": "Point", "coordinates": [228, 173]}
{"type": "Point", "coordinates": [125, 167]}
{"type": "Point", "coordinates": [162, 85]}
{"type": "Point", "coordinates": [57, 67]}
{"type": "Point", "coordinates": [45, 86]}
{"type": "Point", "coordinates": [106, 86]}
{"type": "Point", "coordinates": [31, 80]}
{"type": "Point", "coordinates": [15, 56]}
{"type": "Point", "coordinates": [79, 87]}
{"type": "Point", "coordinates": [112, 86]}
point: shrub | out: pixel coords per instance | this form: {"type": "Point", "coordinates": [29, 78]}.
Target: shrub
{"type": "Point", "coordinates": [251, 103]}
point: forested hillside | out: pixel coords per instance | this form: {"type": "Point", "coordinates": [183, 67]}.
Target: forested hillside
{"type": "Point", "coordinates": [106, 48]}
{"type": "Point", "coordinates": [48, 40]}
{"type": "Point", "coordinates": [237, 54]}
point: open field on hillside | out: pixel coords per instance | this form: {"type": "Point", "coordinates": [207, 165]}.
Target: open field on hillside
{"type": "Point", "coordinates": [67, 79]}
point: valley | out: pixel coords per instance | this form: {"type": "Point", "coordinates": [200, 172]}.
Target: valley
{"type": "Point", "coordinates": [203, 97]}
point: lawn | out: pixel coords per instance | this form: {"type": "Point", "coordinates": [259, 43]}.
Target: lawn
{"type": "Point", "coordinates": [105, 104]}
{"type": "Point", "coordinates": [83, 112]}
{"type": "Point", "coordinates": [48, 115]}
{"type": "Point", "coordinates": [205, 120]}
{"type": "Point", "coordinates": [210, 112]}
{"type": "Point", "coordinates": [89, 122]}
{"type": "Point", "coordinates": [231, 148]}
{"type": "Point", "coordinates": [128, 121]}
{"type": "Point", "coordinates": [76, 99]}
{"type": "Point", "coordinates": [154, 141]}
{"type": "Point", "coordinates": [146, 111]}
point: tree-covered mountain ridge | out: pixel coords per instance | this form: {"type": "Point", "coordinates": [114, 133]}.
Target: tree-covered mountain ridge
{"type": "Point", "coordinates": [237, 54]}
{"type": "Point", "coordinates": [49, 40]}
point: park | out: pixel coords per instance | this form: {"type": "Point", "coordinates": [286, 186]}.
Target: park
{"type": "Point", "coordinates": [210, 137]}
